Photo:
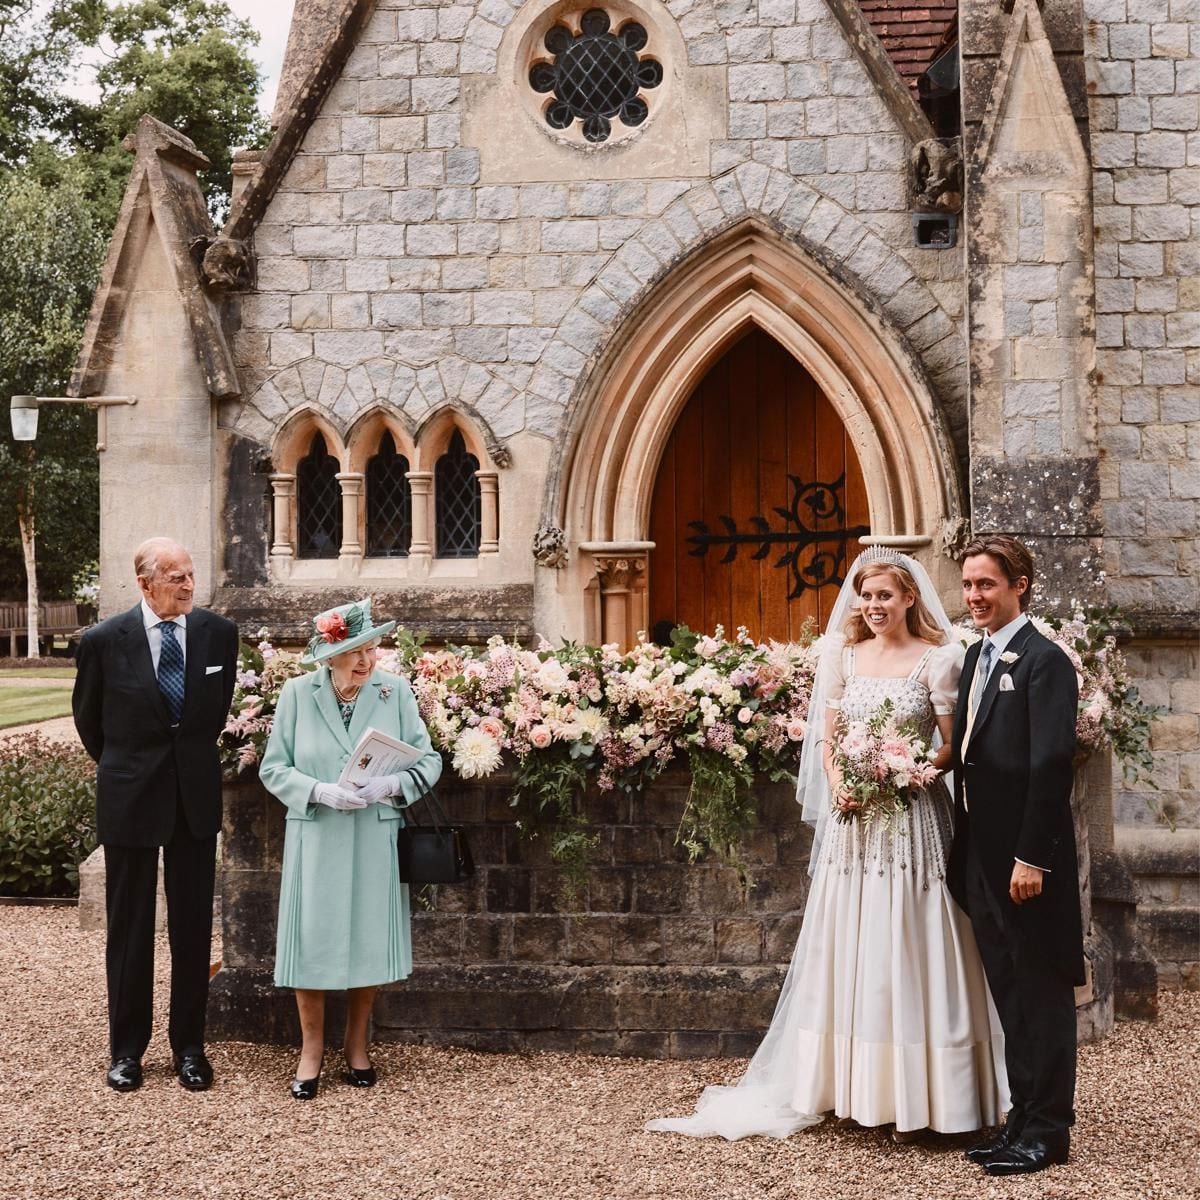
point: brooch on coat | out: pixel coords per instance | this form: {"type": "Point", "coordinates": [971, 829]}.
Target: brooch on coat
{"type": "Point", "coordinates": [385, 692]}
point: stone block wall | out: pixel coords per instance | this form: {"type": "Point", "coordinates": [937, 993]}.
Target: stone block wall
{"type": "Point", "coordinates": [393, 265]}
{"type": "Point", "coordinates": [655, 957]}
{"type": "Point", "coordinates": [1143, 60]}
{"type": "Point", "coordinates": [658, 957]}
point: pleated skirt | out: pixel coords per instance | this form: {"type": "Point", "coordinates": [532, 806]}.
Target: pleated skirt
{"type": "Point", "coordinates": [344, 915]}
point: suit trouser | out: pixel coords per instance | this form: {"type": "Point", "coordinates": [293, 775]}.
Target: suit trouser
{"type": "Point", "coordinates": [1037, 1013]}
{"type": "Point", "coordinates": [131, 881]}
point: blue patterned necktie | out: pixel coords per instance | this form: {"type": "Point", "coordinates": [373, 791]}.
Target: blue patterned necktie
{"type": "Point", "coordinates": [170, 671]}
{"type": "Point", "coordinates": [982, 670]}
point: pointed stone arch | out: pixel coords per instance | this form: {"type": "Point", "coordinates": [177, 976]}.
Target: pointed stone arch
{"type": "Point", "coordinates": [618, 424]}
{"type": "Point", "coordinates": [292, 438]}
{"type": "Point", "coordinates": [363, 438]}
{"type": "Point", "coordinates": [436, 430]}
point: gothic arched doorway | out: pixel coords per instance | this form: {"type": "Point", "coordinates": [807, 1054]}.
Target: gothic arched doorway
{"type": "Point", "coordinates": [758, 493]}
{"type": "Point", "coordinates": [600, 488]}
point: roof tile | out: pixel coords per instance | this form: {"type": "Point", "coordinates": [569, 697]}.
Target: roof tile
{"type": "Point", "coordinates": [911, 36]}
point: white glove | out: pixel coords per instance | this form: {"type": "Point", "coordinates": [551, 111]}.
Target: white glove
{"type": "Point", "coordinates": [379, 789]}
{"type": "Point", "coordinates": [335, 797]}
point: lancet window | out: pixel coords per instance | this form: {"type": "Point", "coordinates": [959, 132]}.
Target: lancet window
{"type": "Point", "coordinates": [318, 503]}
{"type": "Point", "coordinates": [457, 501]}
{"type": "Point", "coordinates": [389, 503]}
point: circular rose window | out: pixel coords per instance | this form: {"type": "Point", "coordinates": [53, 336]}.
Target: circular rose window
{"type": "Point", "coordinates": [596, 76]}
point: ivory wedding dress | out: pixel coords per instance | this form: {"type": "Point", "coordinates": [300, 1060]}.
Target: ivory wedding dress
{"type": "Point", "coordinates": [885, 1016]}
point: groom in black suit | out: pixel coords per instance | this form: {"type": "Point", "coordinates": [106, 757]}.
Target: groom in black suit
{"type": "Point", "coordinates": [1012, 865]}
{"type": "Point", "coordinates": [152, 692]}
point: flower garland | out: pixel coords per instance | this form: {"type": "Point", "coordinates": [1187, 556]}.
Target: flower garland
{"type": "Point", "coordinates": [262, 671]}
{"type": "Point", "coordinates": [731, 709]}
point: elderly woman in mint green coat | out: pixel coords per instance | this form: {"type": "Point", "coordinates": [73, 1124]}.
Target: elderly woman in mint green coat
{"type": "Point", "coordinates": [343, 912]}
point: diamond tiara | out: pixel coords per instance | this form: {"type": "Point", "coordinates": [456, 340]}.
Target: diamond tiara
{"type": "Point", "coordinates": [879, 554]}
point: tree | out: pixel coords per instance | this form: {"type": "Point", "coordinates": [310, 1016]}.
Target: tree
{"type": "Point", "coordinates": [50, 253]}
{"type": "Point", "coordinates": [62, 174]}
{"type": "Point", "coordinates": [187, 62]}
{"type": "Point", "coordinates": [40, 45]}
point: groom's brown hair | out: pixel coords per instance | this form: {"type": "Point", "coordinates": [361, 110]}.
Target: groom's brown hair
{"type": "Point", "coordinates": [1013, 557]}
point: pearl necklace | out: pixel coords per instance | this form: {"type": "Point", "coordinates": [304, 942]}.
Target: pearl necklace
{"type": "Point", "coordinates": [344, 699]}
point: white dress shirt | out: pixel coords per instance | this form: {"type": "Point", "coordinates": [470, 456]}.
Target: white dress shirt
{"type": "Point", "coordinates": [1003, 636]}
{"type": "Point", "coordinates": [152, 620]}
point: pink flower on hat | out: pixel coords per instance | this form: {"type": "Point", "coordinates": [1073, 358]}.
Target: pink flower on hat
{"type": "Point", "coordinates": [332, 627]}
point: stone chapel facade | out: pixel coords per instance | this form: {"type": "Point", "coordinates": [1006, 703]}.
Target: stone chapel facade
{"type": "Point", "coordinates": [583, 319]}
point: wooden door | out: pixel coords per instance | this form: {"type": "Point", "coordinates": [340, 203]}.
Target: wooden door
{"type": "Point", "coordinates": [758, 503]}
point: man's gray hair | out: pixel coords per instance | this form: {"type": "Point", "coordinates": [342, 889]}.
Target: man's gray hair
{"type": "Point", "coordinates": [146, 556]}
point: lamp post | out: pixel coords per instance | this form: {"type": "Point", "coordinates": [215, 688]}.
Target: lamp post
{"type": "Point", "coordinates": [23, 411]}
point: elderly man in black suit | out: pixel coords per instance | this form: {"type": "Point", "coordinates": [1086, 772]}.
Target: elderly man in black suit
{"type": "Point", "coordinates": [1012, 865]}
{"type": "Point", "coordinates": [152, 693]}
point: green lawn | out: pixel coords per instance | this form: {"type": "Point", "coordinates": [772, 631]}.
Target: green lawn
{"type": "Point", "coordinates": [37, 672]}
{"type": "Point", "coordinates": [24, 706]}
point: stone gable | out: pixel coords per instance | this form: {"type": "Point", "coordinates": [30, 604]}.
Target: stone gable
{"type": "Point", "coordinates": [390, 272]}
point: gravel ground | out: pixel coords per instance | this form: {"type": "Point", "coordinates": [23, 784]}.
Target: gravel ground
{"type": "Point", "coordinates": [450, 1124]}
{"type": "Point", "coordinates": [57, 729]}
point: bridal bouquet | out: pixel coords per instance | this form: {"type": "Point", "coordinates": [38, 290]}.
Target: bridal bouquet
{"type": "Point", "coordinates": [880, 762]}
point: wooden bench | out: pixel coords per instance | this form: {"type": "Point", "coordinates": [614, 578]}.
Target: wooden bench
{"type": "Point", "coordinates": [55, 617]}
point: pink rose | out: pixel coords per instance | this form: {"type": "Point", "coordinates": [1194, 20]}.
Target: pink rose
{"type": "Point", "coordinates": [796, 729]}
{"type": "Point", "coordinates": [492, 727]}
{"type": "Point", "coordinates": [856, 742]}
{"type": "Point", "coordinates": [332, 627]}
{"type": "Point", "coordinates": [540, 737]}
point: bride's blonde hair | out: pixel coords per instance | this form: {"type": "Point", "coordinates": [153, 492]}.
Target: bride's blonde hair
{"type": "Point", "coordinates": [919, 619]}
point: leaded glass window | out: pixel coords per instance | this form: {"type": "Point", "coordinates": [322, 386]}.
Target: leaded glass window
{"type": "Point", "coordinates": [596, 75]}
{"type": "Point", "coordinates": [457, 501]}
{"type": "Point", "coordinates": [389, 503]}
{"type": "Point", "coordinates": [318, 503]}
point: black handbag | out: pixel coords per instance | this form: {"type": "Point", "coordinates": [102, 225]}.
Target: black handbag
{"type": "Point", "coordinates": [436, 853]}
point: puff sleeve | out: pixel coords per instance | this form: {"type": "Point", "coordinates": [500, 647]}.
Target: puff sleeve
{"type": "Point", "coordinates": [831, 672]}
{"type": "Point", "coordinates": [942, 673]}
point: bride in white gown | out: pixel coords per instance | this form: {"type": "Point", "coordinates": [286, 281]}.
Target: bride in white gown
{"type": "Point", "coordinates": [885, 1017]}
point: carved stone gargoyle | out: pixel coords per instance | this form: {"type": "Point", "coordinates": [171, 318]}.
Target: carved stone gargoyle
{"type": "Point", "coordinates": [937, 175]}
{"type": "Point", "coordinates": [227, 264]}
{"type": "Point", "coordinates": [550, 547]}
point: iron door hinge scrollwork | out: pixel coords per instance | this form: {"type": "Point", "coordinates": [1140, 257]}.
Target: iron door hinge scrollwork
{"type": "Point", "coordinates": [823, 502]}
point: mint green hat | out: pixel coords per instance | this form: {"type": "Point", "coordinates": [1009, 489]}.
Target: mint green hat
{"type": "Point", "coordinates": [343, 628]}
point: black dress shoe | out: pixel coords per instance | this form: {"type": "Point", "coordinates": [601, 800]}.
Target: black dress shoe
{"type": "Point", "coordinates": [306, 1089]}
{"type": "Point", "coordinates": [1009, 1133]}
{"type": "Point", "coordinates": [359, 1076]}
{"type": "Point", "coordinates": [1027, 1155]}
{"type": "Point", "coordinates": [194, 1071]}
{"type": "Point", "coordinates": [125, 1075]}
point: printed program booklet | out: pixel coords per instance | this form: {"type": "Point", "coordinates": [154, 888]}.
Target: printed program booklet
{"type": "Point", "coordinates": [376, 754]}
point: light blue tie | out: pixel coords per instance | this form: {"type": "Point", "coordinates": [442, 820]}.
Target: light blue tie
{"type": "Point", "coordinates": [170, 671]}
{"type": "Point", "coordinates": [982, 670]}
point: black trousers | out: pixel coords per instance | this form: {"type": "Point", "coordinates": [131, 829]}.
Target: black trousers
{"type": "Point", "coordinates": [1037, 1013]}
{"type": "Point", "coordinates": [131, 880]}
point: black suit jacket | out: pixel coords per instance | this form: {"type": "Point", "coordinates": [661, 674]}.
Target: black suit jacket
{"type": "Point", "coordinates": [123, 722]}
{"type": "Point", "coordinates": [1018, 771]}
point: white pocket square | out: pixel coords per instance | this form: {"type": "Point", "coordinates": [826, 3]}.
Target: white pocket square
{"type": "Point", "coordinates": [1006, 683]}
{"type": "Point", "coordinates": [219, 667]}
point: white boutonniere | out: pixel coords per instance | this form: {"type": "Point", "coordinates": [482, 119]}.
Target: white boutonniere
{"type": "Point", "coordinates": [384, 692]}
{"type": "Point", "coordinates": [1009, 657]}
